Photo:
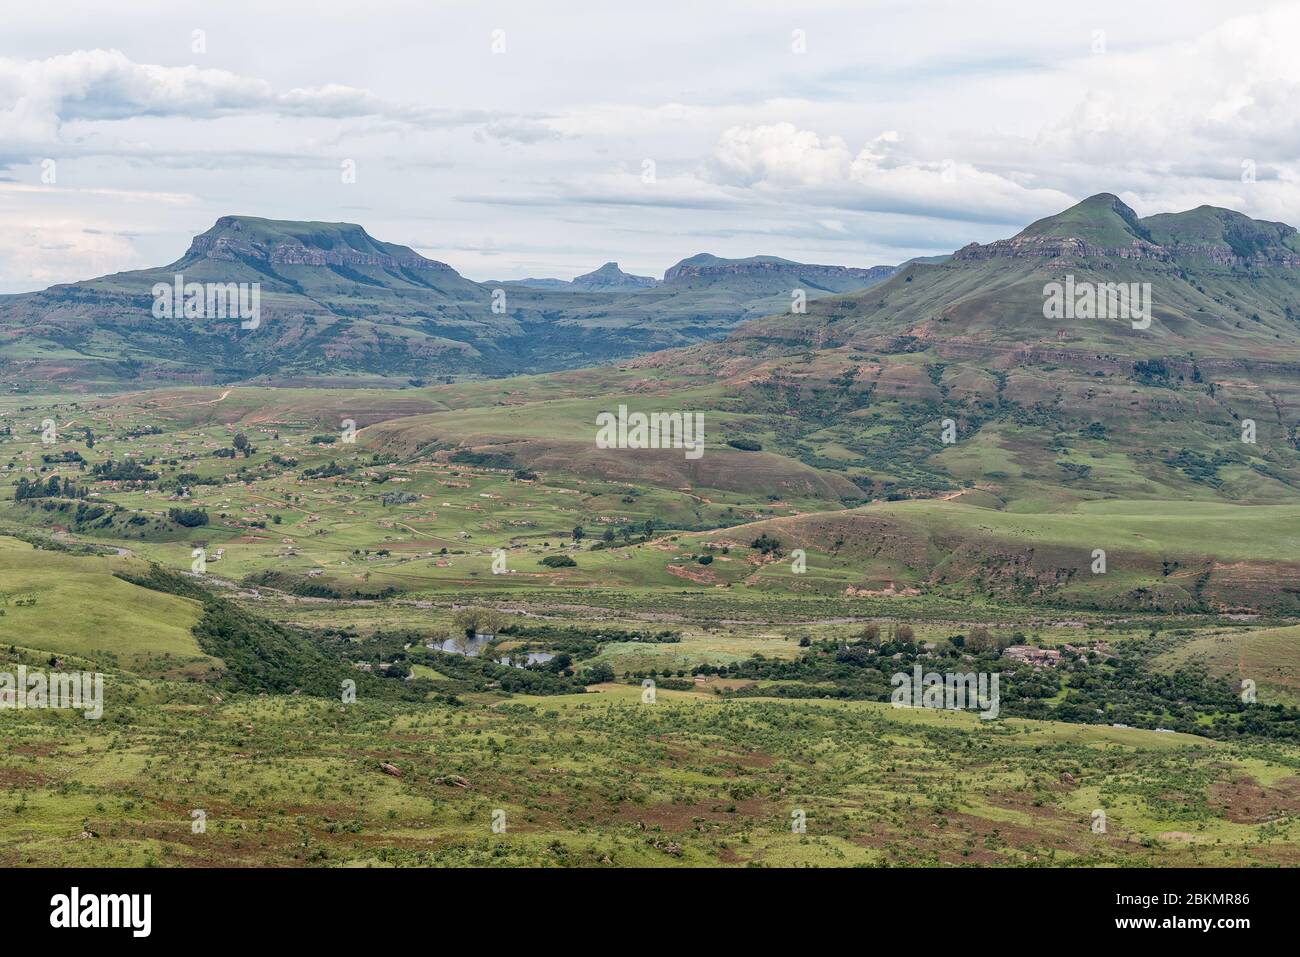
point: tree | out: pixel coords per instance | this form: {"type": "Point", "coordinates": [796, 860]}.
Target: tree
{"type": "Point", "coordinates": [597, 673]}
{"type": "Point", "coordinates": [905, 633]}
{"type": "Point", "coordinates": [579, 533]}
{"type": "Point", "coordinates": [478, 621]}
{"type": "Point", "coordinates": [979, 640]}
{"type": "Point", "coordinates": [871, 634]}
{"type": "Point", "coordinates": [240, 442]}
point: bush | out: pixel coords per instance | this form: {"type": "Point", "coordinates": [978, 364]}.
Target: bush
{"type": "Point", "coordinates": [745, 445]}
{"type": "Point", "coordinates": [558, 561]}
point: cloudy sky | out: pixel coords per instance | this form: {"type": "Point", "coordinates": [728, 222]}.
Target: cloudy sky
{"type": "Point", "coordinates": [521, 139]}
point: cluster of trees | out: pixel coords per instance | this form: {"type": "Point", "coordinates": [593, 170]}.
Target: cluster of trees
{"type": "Point", "coordinates": [630, 534]}
{"type": "Point", "coordinates": [54, 487]}
{"type": "Point", "coordinates": [128, 470]}
{"type": "Point", "coordinates": [71, 456]}
{"type": "Point", "coordinates": [1085, 688]}
{"type": "Point", "coordinates": [188, 517]}
{"type": "Point", "coordinates": [483, 460]}
{"type": "Point", "coordinates": [330, 470]}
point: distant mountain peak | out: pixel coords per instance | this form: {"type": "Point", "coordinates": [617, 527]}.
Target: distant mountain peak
{"type": "Point", "coordinates": [1103, 220]}
{"type": "Point", "coordinates": [1103, 225]}
{"type": "Point", "coordinates": [609, 276]}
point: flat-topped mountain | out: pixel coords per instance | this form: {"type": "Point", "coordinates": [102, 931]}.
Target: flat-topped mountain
{"type": "Point", "coordinates": [770, 271]}
{"type": "Point", "coordinates": [233, 238]}
{"type": "Point", "coordinates": [296, 256]}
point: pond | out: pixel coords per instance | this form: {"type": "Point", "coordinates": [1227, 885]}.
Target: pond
{"type": "Point", "coordinates": [473, 647]}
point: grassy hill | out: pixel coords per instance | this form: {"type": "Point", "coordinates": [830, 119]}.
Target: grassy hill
{"type": "Point", "coordinates": [72, 605]}
{"type": "Point", "coordinates": [1268, 656]}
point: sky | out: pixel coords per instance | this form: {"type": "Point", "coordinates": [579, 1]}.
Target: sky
{"type": "Point", "coordinates": [517, 139]}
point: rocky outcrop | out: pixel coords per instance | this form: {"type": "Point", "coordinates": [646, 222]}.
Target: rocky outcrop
{"type": "Point", "coordinates": [231, 249]}
{"type": "Point", "coordinates": [1058, 247]}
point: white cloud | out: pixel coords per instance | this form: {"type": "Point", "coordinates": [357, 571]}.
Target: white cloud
{"type": "Point", "coordinates": [822, 171]}
{"type": "Point", "coordinates": [780, 155]}
{"type": "Point", "coordinates": [38, 98]}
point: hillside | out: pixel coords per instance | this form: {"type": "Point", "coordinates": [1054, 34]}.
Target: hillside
{"type": "Point", "coordinates": [1064, 435]}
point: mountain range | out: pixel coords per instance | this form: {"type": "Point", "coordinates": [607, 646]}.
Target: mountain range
{"type": "Point", "coordinates": [337, 304]}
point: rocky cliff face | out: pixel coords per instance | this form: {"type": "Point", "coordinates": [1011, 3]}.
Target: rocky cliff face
{"type": "Point", "coordinates": [1221, 256]}
{"type": "Point", "coordinates": [1058, 247]}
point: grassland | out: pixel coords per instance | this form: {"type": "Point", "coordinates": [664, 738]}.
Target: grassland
{"type": "Point", "coordinates": [364, 554]}
{"type": "Point", "coordinates": [602, 779]}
